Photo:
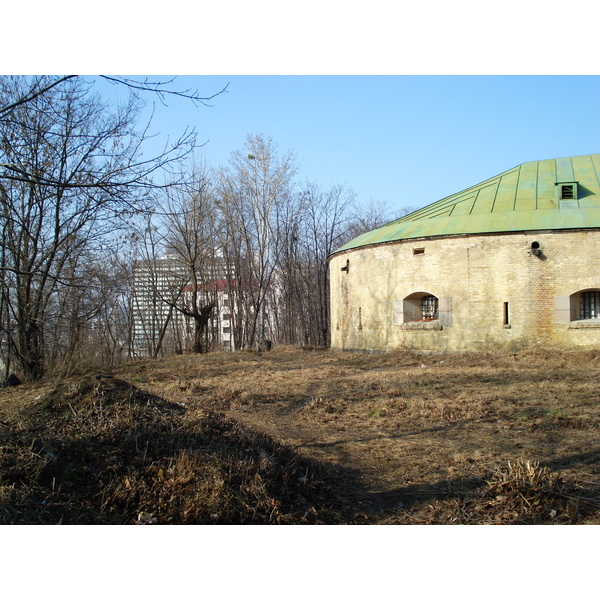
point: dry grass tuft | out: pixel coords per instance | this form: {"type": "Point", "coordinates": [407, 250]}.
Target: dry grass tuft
{"type": "Point", "coordinates": [528, 493]}
{"type": "Point", "coordinates": [524, 493]}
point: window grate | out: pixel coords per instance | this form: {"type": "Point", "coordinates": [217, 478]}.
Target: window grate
{"type": "Point", "coordinates": [589, 307]}
{"type": "Point", "coordinates": [430, 307]}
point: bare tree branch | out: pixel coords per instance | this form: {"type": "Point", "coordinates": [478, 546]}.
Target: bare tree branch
{"type": "Point", "coordinates": [161, 89]}
{"type": "Point", "coordinates": [33, 93]}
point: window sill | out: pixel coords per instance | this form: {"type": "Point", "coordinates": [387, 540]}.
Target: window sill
{"type": "Point", "coordinates": [421, 326]}
{"type": "Point", "coordinates": [585, 324]}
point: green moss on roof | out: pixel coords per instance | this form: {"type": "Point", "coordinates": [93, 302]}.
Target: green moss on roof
{"type": "Point", "coordinates": [521, 199]}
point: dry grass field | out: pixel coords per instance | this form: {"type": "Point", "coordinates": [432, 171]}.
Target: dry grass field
{"type": "Point", "coordinates": [309, 436]}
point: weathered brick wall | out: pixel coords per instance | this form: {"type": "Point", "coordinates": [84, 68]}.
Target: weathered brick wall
{"type": "Point", "coordinates": [473, 277]}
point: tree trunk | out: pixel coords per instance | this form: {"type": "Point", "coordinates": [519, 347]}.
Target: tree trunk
{"type": "Point", "coordinates": [200, 322]}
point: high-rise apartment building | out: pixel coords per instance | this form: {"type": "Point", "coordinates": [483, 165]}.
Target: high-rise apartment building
{"type": "Point", "coordinates": [161, 289]}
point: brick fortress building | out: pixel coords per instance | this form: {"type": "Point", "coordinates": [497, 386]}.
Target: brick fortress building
{"type": "Point", "coordinates": [508, 264]}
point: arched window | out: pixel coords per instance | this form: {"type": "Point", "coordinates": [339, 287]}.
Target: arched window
{"type": "Point", "coordinates": [422, 311]}
{"type": "Point", "coordinates": [580, 310]}
{"type": "Point", "coordinates": [420, 306]}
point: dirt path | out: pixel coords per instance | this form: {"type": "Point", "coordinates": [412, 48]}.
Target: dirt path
{"type": "Point", "coordinates": [403, 429]}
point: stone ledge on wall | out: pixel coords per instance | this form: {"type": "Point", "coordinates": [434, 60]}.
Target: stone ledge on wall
{"type": "Point", "coordinates": [421, 326]}
{"type": "Point", "coordinates": [585, 324]}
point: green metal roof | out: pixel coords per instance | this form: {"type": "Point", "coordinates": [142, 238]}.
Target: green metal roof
{"type": "Point", "coordinates": [525, 198]}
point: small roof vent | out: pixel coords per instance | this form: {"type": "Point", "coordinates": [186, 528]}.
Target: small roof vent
{"type": "Point", "coordinates": [567, 190]}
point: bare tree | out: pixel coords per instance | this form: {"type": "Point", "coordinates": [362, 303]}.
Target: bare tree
{"type": "Point", "coordinates": [326, 226]}
{"type": "Point", "coordinates": [190, 220]}
{"type": "Point", "coordinates": [329, 217]}
{"type": "Point", "coordinates": [110, 333]}
{"type": "Point", "coordinates": [156, 286]}
{"type": "Point", "coordinates": [69, 169]}
{"type": "Point", "coordinates": [254, 190]}
{"type": "Point", "coordinates": [374, 214]}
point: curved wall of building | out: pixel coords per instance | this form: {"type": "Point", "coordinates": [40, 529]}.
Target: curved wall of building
{"type": "Point", "coordinates": [504, 291]}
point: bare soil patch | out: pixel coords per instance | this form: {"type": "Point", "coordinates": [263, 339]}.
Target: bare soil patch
{"type": "Point", "coordinates": [309, 436]}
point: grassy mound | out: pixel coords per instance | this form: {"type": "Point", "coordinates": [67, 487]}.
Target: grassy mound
{"type": "Point", "coordinates": [101, 451]}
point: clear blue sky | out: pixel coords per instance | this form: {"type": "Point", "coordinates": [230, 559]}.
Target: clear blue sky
{"type": "Point", "coordinates": [405, 140]}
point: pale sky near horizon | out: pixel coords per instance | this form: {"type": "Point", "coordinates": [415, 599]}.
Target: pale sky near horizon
{"type": "Point", "coordinates": [403, 140]}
